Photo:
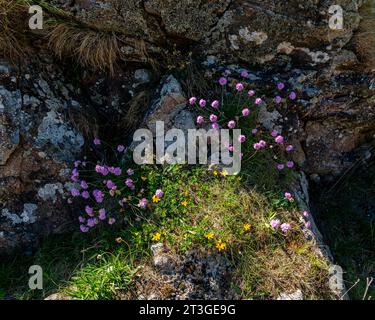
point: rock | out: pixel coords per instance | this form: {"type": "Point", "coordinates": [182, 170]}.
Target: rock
{"type": "Point", "coordinates": [142, 75]}
{"type": "Point", "coordinates": [193, 275]}
{"type": "Point", "coordinates": [163, 260]}
{"type": "Point", "coordinates": [157, 248]}
{"type": "Point", "coordinates": [50, 191]}
{"type": "Point", "coordinates": [164, 263]}
{"type": "Point", "coordinates": [57, 296]}
{"type": "Point", "coordinates": [297, 295]}
{"type": "Point", "coordinates": [37, 141]}
{"type": "Point", "coordinates": [269, 119]}
{"type": "Point", "coordinates": [171, 102]}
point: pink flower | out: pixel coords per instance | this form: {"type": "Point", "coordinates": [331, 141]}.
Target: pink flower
{"type": "Point", "coordinates": [305, 214]}
{"type": "Point", "coordinates": [280, 166]}
{"type": "Point", "coordinates": [75, 192]}
{"type": "Point", "coordinates": [91, 222]}
{"type": "Point", "coordinates": [120, 148]}
{"type": "Point", "coordinates": [159, 193]}
{"type": "Point", "coordinates": [130, 172]}
{"type": "Point", "coordinates": [223, 81]}
{"type": "Point", "coordinates": [215, 126]}
{"type": "Point", "coordinates": [110, 184]}
{"type": "Point", "coordinates": [280, 86]}
{"type": "Point", "coordinates": [278, 99]}
{"type": "Point", "coordinates": [85, 195]}
{"type": "Point", "coordinates": [262, 143]}
{"type": "Point", "coordinates": [200, 120]}
{"type": "Point", "coordinates": [275, 223]}
{"type": "Point", "coordinates": [231, 149]}
{"type": "Point", "coordinates": [111, 221]}
{"type": "Point", "coordinates": [242, 138]}
{"type": "Point", "coordinates": [97, 141]}
{"type": "Point", "coordinates": [102, 214]}
{"type": "Point", "coordinates": [257, 146]}
{"type": "Point", "coordinates": [239, 87]}
{"type": "Point", "coordinates": [279, 139]}
{"type": "Point", "coordinates": [84, 185]}
{"type": "Point", "coordinates": [292, 95]}
{"type": "Point", "coordinates": [98, 195]}
{"type": "Point", "coordinates": [231, 124]}
{"type": "Point", "coordinates": [117, 171]}
{"type": "Point", "coordinates": [289, 148]}
{"type": "Point", "coordinates": [290, 164]}
{"type": "Point", "coordinates": [101, 169]}
{"type": "Point", "coordinates": [254, 131]}
{"type": "Point", "coordinates": [250, 93]}
{"type": "Point", "coordinates": [213, 118]}
{"type": "Point", "coordinates": [244, 74]}
{"type": "Point", "coordinates": [81, 219]}
{"type": "Point", "coordinates": [129, 183]}
{"type": "Point", "coordinates": [258, 101]}
{"type": "Point", "coordinates": [245, 112]}
{"type": "Point", "coordinates": [274, 133]}
{"type": "Point", "coordinates": [83, 228]}
{"type": "Point", "coordinates": [285, 227]}
{"type": "Point", "coordinates": [215, 104]}
{"type": "Point", "coordinates": [142, 203]}
{"type": "Point", "coordinates": [288, 197]}
{"type": "Point", "coordinates": [89, 211]}
{"type": "Point", "coordinates": [308, 224]}
{"type": "Point", "coordinates": [202, 102]}
{"type": "Point", "coordinates": [77, 163]}
{"type": "Point", "coordinates": [192, 100]}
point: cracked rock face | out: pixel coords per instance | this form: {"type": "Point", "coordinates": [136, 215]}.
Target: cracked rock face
{"type": "Point", "coordinates": [37, 142]}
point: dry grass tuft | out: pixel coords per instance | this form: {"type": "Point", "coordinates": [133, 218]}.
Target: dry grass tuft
{"type": "Point", "coordinates": [365, 36]}
{"type": "Point", "coordinates": [13, 15]}
{"type": "Point", "coordinates": [91, 48]}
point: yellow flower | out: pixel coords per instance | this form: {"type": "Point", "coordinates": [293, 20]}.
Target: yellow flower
{"type": "Point", "coordinates": [209, 235]}
{"type": "Point", "coordinates": [155, 198]}
{"type": "Point", "coordinates": [215, 173]}
{"type": "Point", "coordinates": [220, 245]}
{"type": "Point", "coordinates": [224, 173]}
{"type": "Point", "coordinates": [184, 203]}
{"type": "Point", "coordinates": [156, 236]}
{"type": "Point", "coordinates": [247, 226]}
{"type": "Point", "coordinates": [143, 178]}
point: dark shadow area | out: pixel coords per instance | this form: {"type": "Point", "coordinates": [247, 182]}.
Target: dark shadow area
{"type": "Point", "coordinates": [345, 212]}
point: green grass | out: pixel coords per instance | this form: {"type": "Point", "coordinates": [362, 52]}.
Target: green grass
{"type": "Point", "coordinates": [102, 265]}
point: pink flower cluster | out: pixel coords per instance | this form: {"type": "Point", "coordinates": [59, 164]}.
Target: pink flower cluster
{"type": "Point", "coordinates": [117, 188]}
{"type": "Point", "coordinates": [276, 223]}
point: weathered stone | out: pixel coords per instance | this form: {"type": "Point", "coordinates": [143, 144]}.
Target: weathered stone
{"type": "Point", "coordinates": [297, 295]}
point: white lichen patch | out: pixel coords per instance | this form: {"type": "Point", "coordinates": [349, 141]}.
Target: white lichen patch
{"type": "Point", "coordinates": [246, 36]}
{"type": "Point", "coordinates": [252, 36]}
{"type": "Point", "coordinates": [50, 191]}
{"type": "Point", "coordinates": [316, 56]}
{"type": "Point", "coordinates": [285, 48]}
{"type": "Point", "coordinates": [27, 216]}
{"type": "Point", "coordinates": [233, 39]}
